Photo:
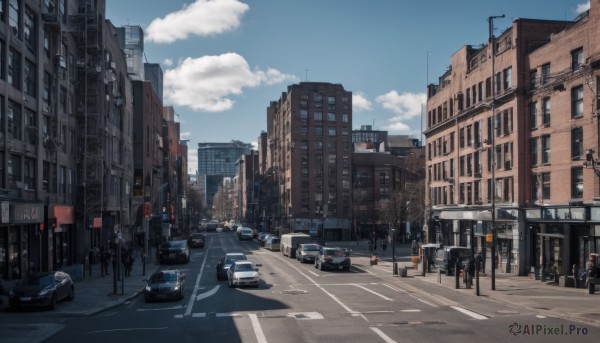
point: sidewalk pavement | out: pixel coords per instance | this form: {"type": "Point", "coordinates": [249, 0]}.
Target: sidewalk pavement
{"type": "Point", "coordinates": [543, 297]}
{"type": "Point", "coordinates": [94, 294]}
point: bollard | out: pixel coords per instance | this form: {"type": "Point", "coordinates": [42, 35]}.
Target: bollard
{"type": "Point", "coordinates": [395, 268]}
{"type": "Point", "coordinates": [477, 280]}
{"type": "Point", "coordinates": [439, 275]}
{"type": "Point", "coordinates": [457, 274]}
{"type": "Point", "coordinates": [423, 264]}
{"type": "Point", "coordinates": [591, 288]}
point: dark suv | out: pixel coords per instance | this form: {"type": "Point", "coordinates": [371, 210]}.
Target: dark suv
{"type": "Point", "coordinates": [174, 251]}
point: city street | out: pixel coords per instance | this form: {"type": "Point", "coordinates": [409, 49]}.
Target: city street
{"type": "Point", "coordinates": [295, 303]}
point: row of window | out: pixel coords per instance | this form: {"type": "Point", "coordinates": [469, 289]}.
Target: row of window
{"type": "Point", "coordinates": [470, 193]}
{"type": "Point", "coordinates": [318, 116]}
{"type": "Point", "coordinates": [318, 131]}
{"type": "Point", "coordinates": [318, 102]}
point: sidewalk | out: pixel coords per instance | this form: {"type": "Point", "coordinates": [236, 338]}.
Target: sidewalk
{"type": "Point", "coordinates": [550, 300]}
{"type": "Point", "coordinates": [95, 293]}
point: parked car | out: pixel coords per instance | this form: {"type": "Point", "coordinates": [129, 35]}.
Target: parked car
{"type": "Point", "coordinates": [174, 251]}
{"type": "Point", "coordinates": [226, 262]}
{"type": "Point", "coordinates": [243, 273]}
{"type": "Point", "coordinates": [164, 285]}
{"type": "Point", "coordinates": [245, 234]}
{"type": "Point", "coordinates": [307, 252]}
{"type": "Point", "coordinates": [445, 258]}
{"type": "Point", "coordinates": [290, 242]}
{"type": "Point", "coordinates": [273, 243]}
{"type": "Point", "coordinates": [266, 238]}
{"type": "Point", "coordinates": [196, 239]}
{"type": "Point", "coordinates": [332, 258]}
{"type": "Point", "coordinates": [261, 237]}
{"type": "Point", "coordinates": [44, 289]}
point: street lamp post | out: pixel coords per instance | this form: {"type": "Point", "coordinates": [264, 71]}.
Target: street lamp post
{"type": "Point", "coordinates": [325, 208]}
{"type": "Point", "coordinates": [493, 150]}
{"type": "Point", "coordinates": [394, 264]}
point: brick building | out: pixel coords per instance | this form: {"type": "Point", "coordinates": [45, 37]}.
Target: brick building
{"type": "Point", "coordinates": [525, 118]}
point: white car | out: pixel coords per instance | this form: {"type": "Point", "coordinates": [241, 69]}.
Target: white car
{"type": "Point", "coordinates": [243, 273]}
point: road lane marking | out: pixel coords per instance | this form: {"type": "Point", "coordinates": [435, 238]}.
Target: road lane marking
{"type": "Point", "coordinates": [178, 307]}
{"type": "Point", "coordinates": [373, 292]}
{"type": "Point", "coordinates": [190, 306]}
{"type": "Point", "coordinates": [394, 288]}
{"type": "Point", "coordinates": [426, 302]}
{"type": "Point", "coordinates": [469, 313]}
{"type": "Point", "coordinates": [208, 294]}
{"type": "Point", "coordinates": [260, 336]}
{"type": "Point", "coordinates": [305, 315]}
{"type": "Point", "coordinates": [411, 310]}
{"type": "Point", "coordinates": [383, 336]}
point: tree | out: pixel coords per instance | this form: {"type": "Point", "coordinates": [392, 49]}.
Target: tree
{"type": "Point", "coordinates": [394, 210]}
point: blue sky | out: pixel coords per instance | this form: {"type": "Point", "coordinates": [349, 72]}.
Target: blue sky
{"type": "Point", "coordinates": [225, 60]}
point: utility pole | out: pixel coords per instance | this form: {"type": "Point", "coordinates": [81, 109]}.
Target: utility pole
{"type": "Point", "coordinates": [493, 149]}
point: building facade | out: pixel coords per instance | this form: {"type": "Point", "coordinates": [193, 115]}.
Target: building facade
{"type": "Point", "coordinates": [501, 124]}
{"type": "Point", "coordinates": [215, 162]}
{"type": "Point", "coordinates": [309, 160]}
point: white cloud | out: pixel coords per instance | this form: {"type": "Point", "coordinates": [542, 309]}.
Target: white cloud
{"type": "Point", "coordinates": [202, 18]}
{"type": "Point", "coordinates": [398, 127]}
{"type": "Point", "coordinates": [582, 7]}
{"type": "Point", "coordinates": [207, 83]}
{"type": "Point", "coordinates": [360, 102]}
{"type": "Point", "coordinates": [406, 105]}
{"type": "Point", "coordinates": [185, 135]}
{"type": "Point", "coordinates": [168, 62]}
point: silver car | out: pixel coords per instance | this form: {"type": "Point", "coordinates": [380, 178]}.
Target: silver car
{"type": "Point", "coordinates": [307, 252]}
{"type": "Point", "coordinates": [243, 273]}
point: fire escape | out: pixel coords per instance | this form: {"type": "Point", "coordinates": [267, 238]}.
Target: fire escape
{"type": "Point", "coordinates": [91, 160]}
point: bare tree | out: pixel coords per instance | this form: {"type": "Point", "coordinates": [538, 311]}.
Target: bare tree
{"type": "Point", "coordinates": [394, 211]}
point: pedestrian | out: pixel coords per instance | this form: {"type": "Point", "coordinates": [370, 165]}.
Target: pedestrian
{"type": "Point", "coordinates": [384, 245]}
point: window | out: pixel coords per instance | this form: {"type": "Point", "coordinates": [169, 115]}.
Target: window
{"type": "Point", "coordinates": [15, 123]}
{"type": "Point", "coordinates": [331, 103]}
{"type": "Point", "coordinates": [304, 130]}
{"type": "Point", "coordinates": [546, 185]}
{"type": "Point", "coordinates": [46, 92]}
{"type": "Point", "coordinates": [533, 79]}
{"type": "Point", "coordinates": [304, 101]}
{"type": "Point", "coordinates": [318, 100]}
{"type": "Point", "coordinates": [14, 69]}
{"type": "Point", "coordinates": [545, 149]}
{"type": "Point", "coordinates": [318, 116]}
{"type": "Point", "coordinates": [330, 116]}
{"type": "Point", "coordinates": [344, 118]}
{"type": "Point", "coordinates": [577, 183]}
{"type": "Point", "coordinates": [31, 131]}
{"type": "Point", "coordinates": [331, 145]}
{"type": "Point", "coordinates": [498, 82]}
{"type": "Point", "coordinates": [332, 158]}
{"type": "Point", "coordinates": [304, 145]}
{"type": "Point", "coordinates": [461, 137]}
{"type": "Point", "coordinates": [546, 112]}
{"type": "Point", "coordinates": [29, 173]}
{"type": "Point", "coordinates": [331, 131]}
{"type": "Point", "coordinates": [303, 115]}
{"type": "Point", "coordinates": [534, 151]}
{"type": "Point", "coordinates": [345, 103]}
{"type": "Point", "coordinates": [14, 171]}
{"type": "Point", "coordinates": [576, 59]}
{"type": "Point", "coordinates": [533, 115]}
{"type": "Point", "coordinates": [29, 32]}
{"type": "Point", "coordinates": [13, 16]}
{"type": "Point", "coordinates": [498, 124]}
{"type": "Point", "coordinates": [318, 145]}
{"type": "Point", "coordinates": [480, 91]}
{"type": "Point", "coordinates": [318, 131]}
{"type": "Point", "coordinates": [508, 121]}
{"type": "Point", "coordinates": [29, 73]}
{"type": "Point", "coordinates": [577, 102]}
{"type": "Point", "coordinates": [508, 78]}
{"type": "Point", "coordinates": [576, 143]}
{"type": "Point", "coordinates": [45, 176]}
{"type": "Point", "coordinates": [535, 187]}
{"type": "Point", "coordinates": [545, 73]}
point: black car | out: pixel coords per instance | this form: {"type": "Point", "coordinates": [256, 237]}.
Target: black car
{"type": "Point", "coordinates": [164, 285]}
{"type": "Point", "coordinates": [42, 289]}
{"type": "Point", "coordinates": [226, 262]}
{"type": "Point", "coordinates": [174, 251]}
{"type": "Point", "coordinates": [332, 258]}
{"type": "Point", "coordinates": [196, 240]}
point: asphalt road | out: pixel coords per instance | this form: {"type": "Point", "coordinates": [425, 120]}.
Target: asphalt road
{"type": "Point", "coordinates": [297, 303]}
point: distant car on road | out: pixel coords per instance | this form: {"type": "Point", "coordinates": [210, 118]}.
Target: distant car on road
{"type": "Point", "coordinates": [43, 289]}
{"type": "Point", "coordinates": [174, 251]}
{"type": "Point", "coordinates": [307, 252]}
{"type": "Point", "coordinates": [245, 233]}
{"type": "Point", "coordinates": [164, 285]}
{"type": "Point", "coordinates": [243, 273]}
{"type": "Point", "coordinates": [196, 240]}
{"type": "Point", "coordinates": [226, 262]}
{"type": "Point", "coordinates": [273, 243]}
{"type": "Point", "coordinates": [332, 258]}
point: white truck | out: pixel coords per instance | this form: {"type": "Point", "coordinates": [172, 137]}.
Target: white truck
{"type": "Point", "coordinates": [290, 241]}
